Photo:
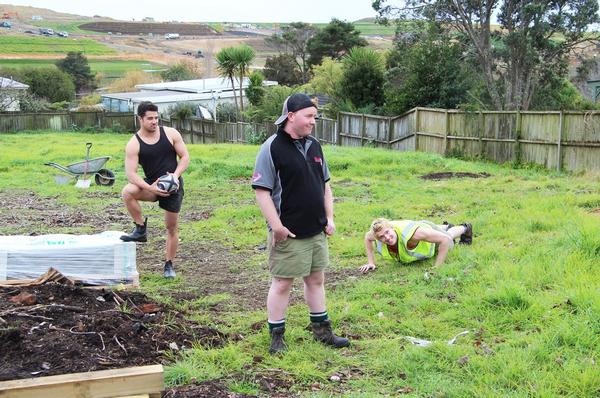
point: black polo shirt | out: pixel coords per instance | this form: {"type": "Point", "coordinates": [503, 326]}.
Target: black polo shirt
{"type": "Point", "coordinates": [295, 173]}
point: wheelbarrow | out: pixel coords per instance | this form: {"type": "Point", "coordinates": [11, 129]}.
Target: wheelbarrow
{"type": "Point", "coordinates": [88, 167]}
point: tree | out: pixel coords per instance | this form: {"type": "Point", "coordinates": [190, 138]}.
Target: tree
{"type": "Point", "coordinates": [270, 107]}
{"type": "Point", "coordinates": [178, 72]}
{"type": "Point", "coordinates": [294, 40]}
{"type": "Point", "coordinates": [283, 69]}
{"type": "Point", "coordinates": [533, 42]}
{"type": "Point", "coordinates": [227, 69]}
{"type": "Point", "coordinates": [426, 68]}
{"type": "Point", "coordinates": [327, 78]}
{"type": "Point", "coordinates": [362, 80]}
{"type": "Point", "coordinates": [49, 83]}
{"type": "Point", "coordinates": [255, 90]}
{"type": "Point", "coordinates": [76, 65]}
{"type": "Point", "coordinates": [334, 41]}
{"type": "Point", "coordinates": [242, 59]}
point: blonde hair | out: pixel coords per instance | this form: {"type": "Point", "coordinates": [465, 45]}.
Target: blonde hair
{"type": "Point", "coordinates": [380, 224]}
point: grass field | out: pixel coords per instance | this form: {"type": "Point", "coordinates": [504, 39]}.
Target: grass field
{"type": "Point", "coordinates": [527, 290]}
{"type": "Point", "coordinates": [51, 45]}
{"type": "Point", "coordinates": [109, 68]}
{"type": "Point", "coordinates": [66, 26]}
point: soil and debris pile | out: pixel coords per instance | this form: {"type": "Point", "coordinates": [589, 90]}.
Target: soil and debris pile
{"type": "Point", "coordinates": [56, 329]}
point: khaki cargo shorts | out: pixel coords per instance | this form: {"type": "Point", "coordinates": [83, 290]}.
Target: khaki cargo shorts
{"type": "Point", "coordinates": [297, 258]}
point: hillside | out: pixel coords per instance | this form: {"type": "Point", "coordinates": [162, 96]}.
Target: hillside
{"type": "Point", "coordinates": [26, 12]}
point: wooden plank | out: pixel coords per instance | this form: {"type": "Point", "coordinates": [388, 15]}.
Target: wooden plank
{"type": "Point", "coordinates": [136, 396]}
{"type": "Point", "coordinates": [99, 384]}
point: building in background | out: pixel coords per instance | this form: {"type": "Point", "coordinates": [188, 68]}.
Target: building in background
{"type": "Point", "coordinates": [204, 94]}
{"type": "Point", "coordinates": [10, 92]}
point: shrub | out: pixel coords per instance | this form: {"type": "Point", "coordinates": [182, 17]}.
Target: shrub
{"type": "Point", "coordinates": [91, 99]}
{"type": "Point", "coordinates": [226, 112]}
{"type": "Point", "coordinates": [181, 110]}
{"type": "Point", "coordinates": [130, 80]}
{"type": "Point", "coordinates": [183, 70]}
{"type": "Point", "coordinates": [255, 137]}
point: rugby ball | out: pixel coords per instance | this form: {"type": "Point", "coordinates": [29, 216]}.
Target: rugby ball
{"type": "Point", "coordinates": [167, 183]}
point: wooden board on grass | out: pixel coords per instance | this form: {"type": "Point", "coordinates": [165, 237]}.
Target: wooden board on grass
{"type": "Point", "coordinates": [145, 380]}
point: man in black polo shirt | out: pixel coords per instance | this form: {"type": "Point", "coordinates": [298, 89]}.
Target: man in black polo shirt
{"type": "Point", "coordinates": [291, 182]}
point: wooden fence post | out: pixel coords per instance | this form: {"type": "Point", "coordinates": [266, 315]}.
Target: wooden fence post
{"type": "Point", "coordinates": [338, 129]}
{"type": "Point", "coordinates": [517, 147]}
{"type": "Point", "coordinates": [417, 127]}
{"type": "Point", "coordinates": [446, 131]}
{"type": "Point", "coordinates": [390, 133]}
{"type": "Point", "coordinates": [561, 130]}
{"type": "Point", "coordinates": [481, 132]}
{"type": "Point", "coordinates": [363, 130]}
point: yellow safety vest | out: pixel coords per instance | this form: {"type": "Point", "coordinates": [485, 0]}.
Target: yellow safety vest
{"type": "Point", "coordinates": [405, 229]}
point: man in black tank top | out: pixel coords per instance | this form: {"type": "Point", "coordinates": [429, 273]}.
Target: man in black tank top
{"type": "Point", "coordinates": [156, 149]}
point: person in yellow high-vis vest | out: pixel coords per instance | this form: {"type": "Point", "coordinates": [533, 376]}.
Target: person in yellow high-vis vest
{"type": "Point", "coordinates": [407, 241]}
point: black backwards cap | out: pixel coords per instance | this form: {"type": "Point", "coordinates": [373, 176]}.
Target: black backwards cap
{"type": "Point", "coordinates": [294, 103]}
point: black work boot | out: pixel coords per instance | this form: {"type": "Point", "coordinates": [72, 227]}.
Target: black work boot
{"type": "Point", "coordinates": [467, 237]}
{"type": "Point", "coordinates": [138, 234]}
{"type": "Point", "coordinates": [323, 333]}
{"type": "Point", "coordinates": [169, 272]}
{"type": "Point", "coordinates": [277, 343]}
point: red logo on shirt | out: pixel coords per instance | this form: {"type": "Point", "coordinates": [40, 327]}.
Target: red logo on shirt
{"type": "Point", "coordinates": [256, 176]}
{"type": "Point", "coordinates": [318, 160]}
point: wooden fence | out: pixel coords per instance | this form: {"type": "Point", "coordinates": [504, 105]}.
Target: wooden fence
{"type": "Point", "coordinates": [198, 131]}
{"type": "Point", "coordinates": [62, 121]}
{"type": "Point", "coordinates": [561, 140]}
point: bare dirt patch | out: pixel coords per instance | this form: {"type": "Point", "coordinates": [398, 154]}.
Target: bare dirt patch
{"type": "Point", "coordinates": [447, 175]}
{"type": "Point", "coordinates": [54, 329]}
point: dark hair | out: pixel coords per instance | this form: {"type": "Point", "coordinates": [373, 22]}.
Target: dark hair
{"type": "Point", "coordinates": [145, 106]}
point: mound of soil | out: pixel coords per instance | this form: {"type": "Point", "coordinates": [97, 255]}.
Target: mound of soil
{"type": "Point", "coordinates": [448, 175]}
{"type": "Point", "coordinates": [56, 329]}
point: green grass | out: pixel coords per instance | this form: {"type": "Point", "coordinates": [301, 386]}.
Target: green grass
{"type": "Point", "coordinates": [66, 26]}
{"type": "Point", "coordinates": [11, 44]}
{"type": "Point", "coordinates": [526, 290]}
{"type": "Point", "coordinates": [109, 68]}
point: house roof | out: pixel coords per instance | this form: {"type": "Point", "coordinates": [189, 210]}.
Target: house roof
{"type": "Point", "coordinates": [159, 97]}
{"type": "Point", "coordinates": [6, 82]}
{"type": "Point", "coordinates": [199, 85]}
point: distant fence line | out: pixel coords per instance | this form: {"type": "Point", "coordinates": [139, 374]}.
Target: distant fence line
{"type": "Point", "coordinates": [562, 140]}
{"type": "Point", "coordinates": [61, 121]}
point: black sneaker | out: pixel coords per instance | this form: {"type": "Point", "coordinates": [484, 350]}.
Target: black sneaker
{"type": "Point", "coordinates": [169, 271]}
{"type": "Point", "coordinates": [467, 237]}
{"type": "Point", "coordinates": [138, 234]}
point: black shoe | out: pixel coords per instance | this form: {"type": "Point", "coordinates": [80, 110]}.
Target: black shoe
{"type": "Point", "coordinates": [138, 234]}
{"type": "Point", "coordinates": [277, 342]}
{"type": "Point", "coordinates": [467, 237]}
{"type": "Point", "coordinates": [322, 332]}
{"type": "Point", "coordinates": [169, 272]}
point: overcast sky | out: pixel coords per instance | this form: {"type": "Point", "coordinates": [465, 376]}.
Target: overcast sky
{"type": "Point", "coordinates": [213, 11]}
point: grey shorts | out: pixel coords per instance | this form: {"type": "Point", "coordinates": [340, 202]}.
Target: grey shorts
{"type": "Point", "coordinates": [297, 258]}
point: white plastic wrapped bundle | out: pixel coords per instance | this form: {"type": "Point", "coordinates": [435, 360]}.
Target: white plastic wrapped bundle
{"type": "Point", "coordinates": [100, 259]}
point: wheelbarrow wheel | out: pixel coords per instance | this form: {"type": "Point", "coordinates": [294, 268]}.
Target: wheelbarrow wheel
{"type": "Point", "coordinates": [105, 177]}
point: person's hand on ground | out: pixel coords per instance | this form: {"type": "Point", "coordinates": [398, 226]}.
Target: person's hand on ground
{"type": "Point", "coordinates": [367, 267]}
